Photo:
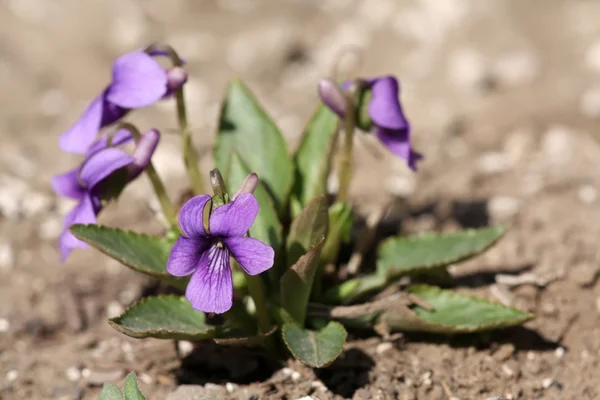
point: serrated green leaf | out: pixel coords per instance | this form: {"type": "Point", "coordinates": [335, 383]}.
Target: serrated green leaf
{"type": "Point", "coordinates": [266, 227]}
{"type": "Point", "coordinates": [296, 284]}
{"type": "Point", "coordinates": [403, 255]}
{"type": "Point", "coordinates": [163, 317]}
{"type": "Point", "coordinates": [246, 128]}
{"type": "Point", "coordinates": [313, 157]}
{"type": "Point", "coordinates": [454, 313]}
{"type": "Point", "coordinates": [315, 349]}
{"type": "Point", "coordinates": [142, 253]}
{"type": "Point", "coordinates": [307, 229]}
{"type": "Point", "coordinates": [131, 389]}
{"type": "Point", "coordinates": [110, 392]}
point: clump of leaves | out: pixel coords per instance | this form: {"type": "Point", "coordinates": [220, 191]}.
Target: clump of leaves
{"type": "Point", "coordinates": [258, 248]}
{"type": "Point", "coordinates": [131, 391]}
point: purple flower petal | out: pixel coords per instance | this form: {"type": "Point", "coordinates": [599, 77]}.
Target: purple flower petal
{"type": "Point", "coordinates": [83, 213]}
{"type": "Point", "coordinates": [190, 216]}
{"type": "Point", "coordinates": [333, 97]}
{"type": "Point", "coordinates": [138, 81]}
{"type": "Point", "coordinates": [103, 163]}
{"type": "Point", "coordinates": [253, 255]}
{"type": "Point", "coordinates": [211, 288]}
{"type": "Point", "coordinates": [120, 138]}
{"type": "Point", "coordinates": [79, 137]}
{"type": "Point", "coordinates": [398, 142]}
{"type": "Point", "coordinates": [235, 218]}
{"type": "Point", "coordinates": [67, 184]}
{"type": "Point", "coordinates": [185, 255]}
{"type": "Point", "coordinates": [384, 108]}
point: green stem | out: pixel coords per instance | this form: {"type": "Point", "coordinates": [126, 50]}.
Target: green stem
{"type": "Point", "coordinates": [256, 287]}
{"type": "Point", "coordinates": [157, 184]}
{"type": "Point", "coordinates": [190, 158]}
{"type": "Point", "coordinates": [345, 166]}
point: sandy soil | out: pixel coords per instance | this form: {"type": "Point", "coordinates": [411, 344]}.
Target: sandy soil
{"type": "Point", "coordinates": [504, 98]}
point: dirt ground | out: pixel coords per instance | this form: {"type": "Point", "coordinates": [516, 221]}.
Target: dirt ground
{"type": "Point", "coordinates": [504, 100]}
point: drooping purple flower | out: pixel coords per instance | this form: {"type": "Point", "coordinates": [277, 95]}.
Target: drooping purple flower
{"type": "Point", "coordinates": [138, 80]}
{"type": "Point", "coordinates": [87, 183]}
{"type": "Point", "coordinates": [389, 124]}
{"type": "Point", "coordinates": [205, 255]}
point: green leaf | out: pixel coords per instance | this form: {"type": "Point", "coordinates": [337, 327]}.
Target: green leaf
{"type": "Point", "coordinates": [163, 317]}
{"type": "Point", "coordinates": [246, 128]}
{"type": "Point", "coordinates": [352, 289]}
{"type": "Point", "coordinates": [141, 253]}
{"type": "Point", "coordinates": [266, 227]}
{"type": "Point", "coordinates": [403, 255]}
{"type": "Point", "coordinates": [307, 229]}
{"type": "Point", "coordinates": [314, 154]}
{"type": "Point", "coordinates": [296, 284]}
{"type": "Point", "coordinates": [340, 225]}
{"type": "Point", "coordinates": [110, 392]}
{"type": "Point", "coordinates": [316, 349]}
{"type": "Point", "coordinates": [454, 313]}
{"type": "Point", "coordinates": [131, 390]}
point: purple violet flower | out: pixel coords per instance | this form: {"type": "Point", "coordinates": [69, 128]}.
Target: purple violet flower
{"type": "Point", "coordinates": [390, 125]}
{"type": "Point", "coordinates": [86, 182]}
{"type": "Point", "coordinates": [205, 255]}
{"type": "Point", "coordinates": [138, 81]}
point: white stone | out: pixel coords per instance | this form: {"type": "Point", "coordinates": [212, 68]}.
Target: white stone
{"type": "Point", "coordinates": [4, 325]}
{"type": "Point", "coordinates": [507, 370]}
{"type": "Point", "coordinates": [592, 56]}
{"type": "Point", "coordinates": [466, 68]}
{"type": "Point", "coordinates": [559, 352]}
{"type": "Point", "coordinates": [587, 194]}
{"type": "Point", "coordinates": [383, 347]}
{"type": "Point", "coordinates": [7, 257]}
{"type": "Point", "coordinates": [547, 382]}
{"type": "Point", "coordinates": [503, 207]}
{"type": "Point", "coordinates": [145, 378]}
{"type": "Point", "coordinates": [589, 104]}
{"type": "Point", "coordinates": [557, 144]}
{"type": "Point", "coordinates": [400, 185]}
{"type": "Point", "coordinates": [73, 374]}
{"type": "Point", "coordinates": [185, 348]}
{"type": "Point", "coordinates": [307, 398]}
{"type": "Point", "coordinates": [114, 309]}
{"type": "Point", "coordinates": [492, 162]}
{"type": "Point", "coordinates": [231, 387]}
{"type": "Point", "coordinates": [296, 376]}
{"type": "Point", "coordinates": [12, 375]}
{"type": "Point", "coordinates": [517, 68]}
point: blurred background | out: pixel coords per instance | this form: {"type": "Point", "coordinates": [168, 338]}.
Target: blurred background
{"type": "Point", "coordinates": [503, 97]}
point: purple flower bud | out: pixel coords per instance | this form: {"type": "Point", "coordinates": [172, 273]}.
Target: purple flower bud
{"type": "Point", "coordinates": [142, 153]}
{"type": "Point", "coordinates": [176, 78]}
{"type": "Point", "coordinates": [206, 255]}
{"type": "Point", "coordinates": [333, 96]}
{"type": "Point", "coordinates": [248, 186]}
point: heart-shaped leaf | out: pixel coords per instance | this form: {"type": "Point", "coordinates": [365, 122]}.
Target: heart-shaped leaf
{"type": "Point", "coordinates": [315, 349]}
{"type": "Point", "coordinates": [131, 389]}
{"type": "Point", "coordinates": [246, 128]}
{"type": "Point", "coordinates": [266, 227]}
{"type": "Point", "coordinates": [296, 284]}
{"type": "Point", "coordinates": [307, 228]}
{"type": "Point", "coordinates": [453, 313]}
{"type": "Point", "coordinates": [142, 253]}
{"type": "Point", "coordinates": [110, 392]}
{"type": "Point", "coordinates": [403, 255]}
{"type": "Point", "coordinates": [163, 317]}
{"type": "Point", "coordinates": [313, 157]}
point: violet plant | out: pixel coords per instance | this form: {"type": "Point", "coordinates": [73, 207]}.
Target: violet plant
{"type": "Point", "coordinates": [268, 258]}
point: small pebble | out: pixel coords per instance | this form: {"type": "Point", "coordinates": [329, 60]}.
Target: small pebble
{"type": "Point", "coordinates": [12, 375]}
{"type": "Point", "coordinates": [296, 375]}
{"type": "Point", "coordinates": [547, 382]}
{"type": "Point", "coordinates": [559, 352]}
{"type": "Point", "coordinates": [231, 387]}
{"type": "Point", "coordinates": [507, 370]}
{"type": "Point", "coordinates": [426, 378]}
{"type": "Point", "coordinates": [400, 186]}
{"type": "Point", "coordinates": [503, 207]}
{"type": "Point", "coordinates": [114, 309]}
{"type": "Point", "coordinates": [492, 163]}
{"type": "Point", "coordinates": [73, 374]}
{"type": "Point", "coordinates": [4, 325]}
{"type": "Point", "coordinates": [184, 348]}
{"type": "Point", "coordinates": [557, 144]}
{"type": "Point", "coordinates": [383, 347]}
{"type": "Point", "coordinates": [307, 398]}
{"type": "Point", "coordinates": [145, 378]}
{"type": "Point", "coordinates": [587, 194]}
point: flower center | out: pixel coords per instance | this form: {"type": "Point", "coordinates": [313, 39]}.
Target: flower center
{"type": "Point", "coordinates": [219, 244]}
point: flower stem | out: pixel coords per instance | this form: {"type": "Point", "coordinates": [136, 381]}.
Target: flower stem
{"type": "Point", "coordinates": [345, 166]}
{"type": "Point", "coordinates": [190, 158]}
{"type": "Point", "coordinates": [159, 188]}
